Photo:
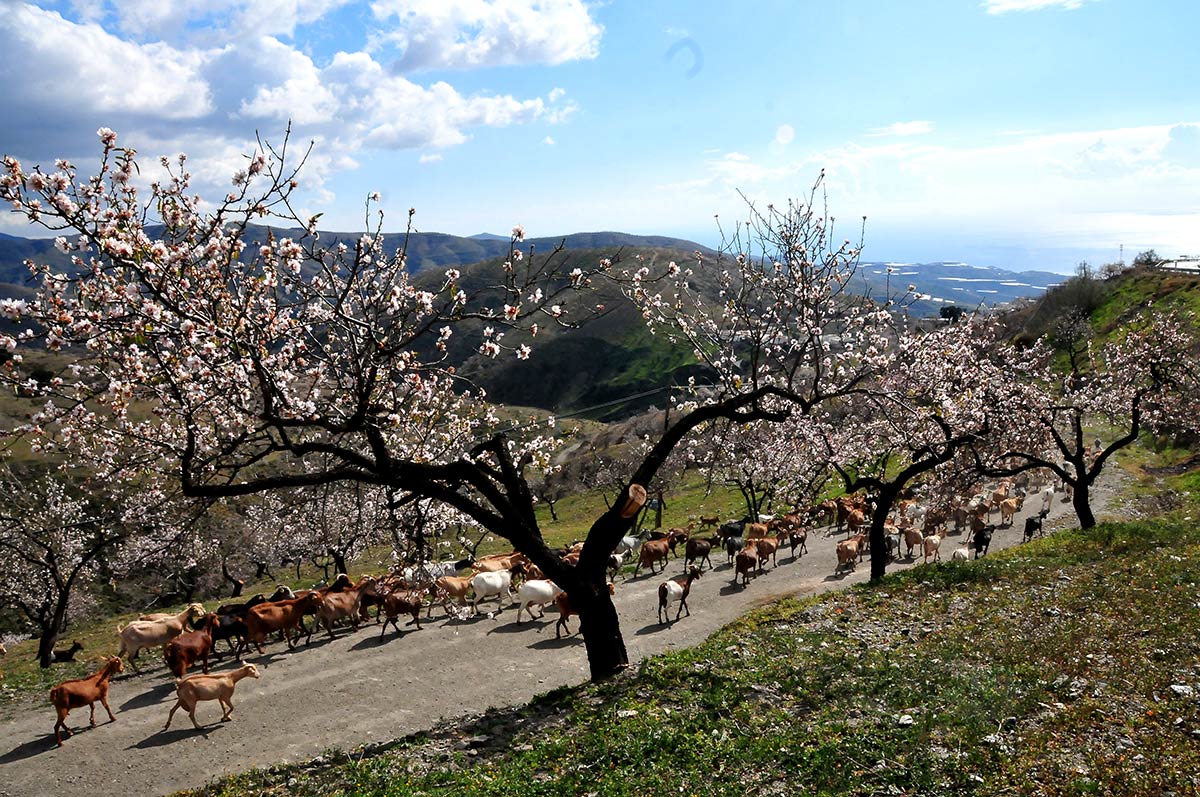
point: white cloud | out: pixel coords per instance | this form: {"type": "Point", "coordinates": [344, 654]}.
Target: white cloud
{"type": "Point", "coordinates": [1085, 189]}
{"type": "Point", "coordinates": [432, 157]}
{"type": "Point", "coordinates": [1007, 6]}
{"type": "Point", "coordinates": [916, 128]}
{"type": "Point", "coordinates": [457, 34]}
{"type": "Point", "coordinates": [51, 63]}
{"type": "Point", "coordinates": [549, 141]}
{"type": "Point", "coordinates": [65, 77]}
{"type": "Point", "coordinates": [784, 134]}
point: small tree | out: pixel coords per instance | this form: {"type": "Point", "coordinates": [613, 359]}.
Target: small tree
{"type": "Point", "coordinates": [935, 396]}
{"type": "Point", "coordinates": [1070, 418]}
{"type": "Point", "coordinates": [56, 537]}
{"type": "Point", "coordinates": [951, 313]}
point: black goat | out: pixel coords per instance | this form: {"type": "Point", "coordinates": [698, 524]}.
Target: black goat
{"type": "Point", "coordinates": [983, 539]}
{"type": "Point", "coordinates": [61, 656]}
{"type": "Point", "coordinates": [1033, 525]}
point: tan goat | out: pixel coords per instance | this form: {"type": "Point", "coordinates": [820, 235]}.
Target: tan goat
{"type": "Point", "coordinates": [194, 688]}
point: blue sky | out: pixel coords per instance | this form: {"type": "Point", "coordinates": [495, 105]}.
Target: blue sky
{"type": "Point", "coordinates": [1016, 133]}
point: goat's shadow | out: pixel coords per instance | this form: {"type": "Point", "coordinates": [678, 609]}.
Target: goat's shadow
{"type": "Point", "coordinates": [554, 644]}
{"type": "Point", "coordinates": [161, 738]}
{"type": "Point", "coordinates": [149, 697]}
{"type": "Point", "coordinates": [373, 641]}
{"type": "Point", "coordinates": [379, 640]}
{"type": "Point", "coordinates": [653, 628]}
{"type": "Point", "coordinates": [42, 744]}
{"type": "Point", "coordinates": [732, 589]}
{"type": "Point", "coordinates": [539, 624]}
{"type": "Point", "coordinates": [837, 576]}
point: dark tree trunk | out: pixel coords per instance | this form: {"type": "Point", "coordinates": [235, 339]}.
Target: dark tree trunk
{"type": "Point", "coordinates": [262, 569]}
{"type": "Point", "coordinates": [879, 552]}
{"type": "Point", "coordinates": [339, 561]}
{"type": "Point", "coordinates": [1081, 502]}
{"type": "Point", "coordinates": [553, 514]}
{"type": "Point", "coordinates": [187, 584]}
{"type": "Point", "coordinates": [601, 629]}
{"type": "Point", "coordinates": [50, 628]}
{"type": "Point", "coordinates": [237, 584]}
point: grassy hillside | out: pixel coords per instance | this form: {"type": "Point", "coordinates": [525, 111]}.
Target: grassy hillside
{"type": "Point", "coordinates": [1066, 666]}
{"type": "Point", "coordinates": [1137, 289]}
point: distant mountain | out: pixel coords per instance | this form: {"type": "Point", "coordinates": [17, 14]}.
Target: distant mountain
{"type": "Point", "coordinates": [944, 283]}
{"type": "Point", "coordinates": [425, 249]}
{"type": "Point", "coordinates": [939, 284]}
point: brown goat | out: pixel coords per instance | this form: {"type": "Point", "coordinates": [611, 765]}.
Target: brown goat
{"type": "Point", "coordinates": [82, 692]}
{"type": "Point", "coordinates": [193, 689]}
{"type": "Point", "coordinates": [398, 603]}
{"type": "Point", "coordinates": [767, 548]}
{"type": "Point", "coordinates": [746, 564]}
{"type": "Point", "coordinates": [184, 650]}
{"type": "Point", "coordinates": [652, 551]}
{"type": "Point", "coordinates": [285, 615]}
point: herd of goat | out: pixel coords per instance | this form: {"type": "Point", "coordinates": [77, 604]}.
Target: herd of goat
{"type": "Point", "coordinates": [188, 638]}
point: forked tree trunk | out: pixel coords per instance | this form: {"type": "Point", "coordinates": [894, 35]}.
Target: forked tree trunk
{"type": "Point", "coordinates": [1081, 502]}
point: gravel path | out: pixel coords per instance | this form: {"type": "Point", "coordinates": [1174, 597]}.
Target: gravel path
{"type": "Point", "coordinates": [358, 689]}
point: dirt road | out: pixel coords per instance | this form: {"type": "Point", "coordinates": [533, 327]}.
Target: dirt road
{"type": "Point", "coordinates": [356, 688]}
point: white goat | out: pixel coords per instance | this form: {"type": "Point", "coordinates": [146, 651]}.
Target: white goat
{"type": "Point", "coordinates": [536, 592]}
{"type": "Point", "coordinates": [152, 633]}
{"type": "Point", "coordinates": [491, 585]}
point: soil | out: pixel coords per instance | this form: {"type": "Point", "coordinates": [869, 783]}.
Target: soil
{"type": "Point", "coordinates": [361, 689]}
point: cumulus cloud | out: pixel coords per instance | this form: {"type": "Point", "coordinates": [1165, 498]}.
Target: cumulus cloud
{"type": "Point", "coordinates": [51, 63]}
{"type": "Point", "coordinates": [203, 76]}
{"type": "Point", "coordinates": [784, 134]}
{"type": "Point", "coordinates": [1007, 6]}
{"type": "Point", "coordinates": [431, 157]}
{"type": "Point", "coordinates": [549, 141]}
{"type": "Point", "coordinates": [211, 20]}
{"type": "Point", "coordinates": [459, 34]}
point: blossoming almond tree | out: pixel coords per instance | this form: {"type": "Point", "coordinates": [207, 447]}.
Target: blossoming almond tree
{"type": "Point", "coordinates": [55, 539]}
{"type": "Point", "coordinates": [1059, 415]}
{"type": "Point", "coordinates": [936, 395]}
{"type": "Point", "coordinates": [252, 359]}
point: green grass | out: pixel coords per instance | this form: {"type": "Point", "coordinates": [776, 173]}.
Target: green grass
{"type": "Point", "coordinates": [1045, 669]}
{"type": "Point", "coordinates": [1133, 292]}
